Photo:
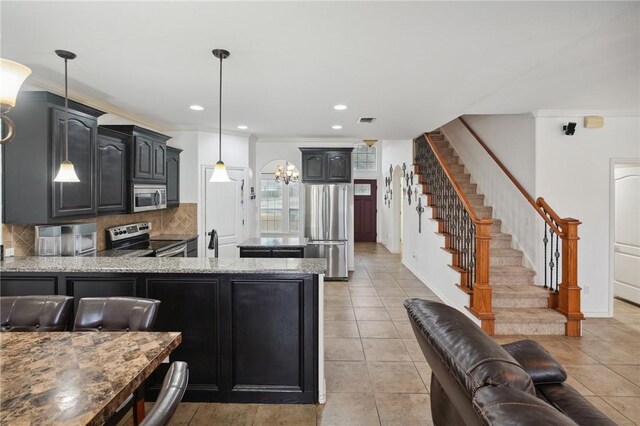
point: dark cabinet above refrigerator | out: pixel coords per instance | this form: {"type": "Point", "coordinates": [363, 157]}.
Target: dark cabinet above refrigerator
{"type": "Point", "coordinates": [326, 165]}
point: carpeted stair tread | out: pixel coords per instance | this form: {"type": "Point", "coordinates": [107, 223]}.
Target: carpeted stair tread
{"type": "Point", "coordinates": [528, 315]}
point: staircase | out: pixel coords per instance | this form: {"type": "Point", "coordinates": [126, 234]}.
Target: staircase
{"type": "Point", "coordinates": [519, 306]}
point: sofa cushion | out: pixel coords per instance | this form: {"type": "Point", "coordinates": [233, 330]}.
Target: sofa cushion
{"type": "Point", "coordinates": [570, 402]}
{"type": "Point", "coordinates": [537, 362]}
{"type": "Point", "coordinates": [499, 405]}
{"type": "Point", "coordinates": [472, 357]}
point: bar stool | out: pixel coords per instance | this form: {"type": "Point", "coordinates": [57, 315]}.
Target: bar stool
{"type": "Point", "coordinates": [116, 314]}
{"type": "Point", "coordinates": [173, 388]}
{"type": "Point", "coordinates": [34, 313]}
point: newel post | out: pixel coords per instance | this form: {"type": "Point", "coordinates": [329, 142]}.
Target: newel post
{"type": "Point", "coordinates": [481, 298]}
{"type": "Point", "coordinates": [569, 292]}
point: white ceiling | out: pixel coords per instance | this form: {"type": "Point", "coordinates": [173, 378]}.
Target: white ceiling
{"type": "Point", "coordinates": [414, 66]}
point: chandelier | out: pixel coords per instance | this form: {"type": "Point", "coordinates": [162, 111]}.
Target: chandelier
{"type": "Point", "coordinates": [286, 174]}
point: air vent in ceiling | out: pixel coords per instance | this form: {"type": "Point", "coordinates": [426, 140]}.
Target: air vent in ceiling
{"type": "Point", "coordinates": [367, 120]}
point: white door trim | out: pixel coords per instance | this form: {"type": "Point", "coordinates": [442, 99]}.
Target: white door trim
{"type": "Point", "coordinates": [612, 221]}
{"type": "Point", "coordinates": [203, 205]}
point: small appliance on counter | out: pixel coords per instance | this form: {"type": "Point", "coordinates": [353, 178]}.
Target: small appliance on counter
{"type": "Point", "coordinates": [79, 239]}
{"type": "Point", "coordinates": [48, 241]}
{"type": "Point", "coordinates": [136, 237]}
{"type": "Point", "coordinates": [148, 197]}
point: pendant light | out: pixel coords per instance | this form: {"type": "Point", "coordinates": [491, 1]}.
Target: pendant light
{"type": "Point", "coordinates": [12, 75]}
{"type": "Point", "coordinates": [66, 173]}
{"type": "Point", "coordinates": [220, 171]}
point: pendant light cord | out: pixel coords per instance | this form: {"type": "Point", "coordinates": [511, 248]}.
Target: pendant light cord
{"type": "Point", "coordinates": [220, 116]}
{"type": "Point", "coordinates": [66, 114]}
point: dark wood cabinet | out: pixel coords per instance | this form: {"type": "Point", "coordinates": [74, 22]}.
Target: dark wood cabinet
{"type": "Point", "coordinates": [246, 337]}
{"type": "Point", "coordinates": [173, 176]}
{"type": "Point", "coordinates": [190, 305]}
{"type": "Point", "coordinates": [149, 153]}
{"type": "Point", "coordinates": [288, 252]}
{"type": "Point", "coordinates": [76, 198]}
{"type": "Point", "coordinates": [321, 165]}
{"type": "Point", "coordinates": [31, 161]}
{"type": "Point", "coordinates": [112, 171]}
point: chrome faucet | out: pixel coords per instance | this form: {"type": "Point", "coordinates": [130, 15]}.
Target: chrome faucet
{"type": "Point", "coordinates": [213, 242]}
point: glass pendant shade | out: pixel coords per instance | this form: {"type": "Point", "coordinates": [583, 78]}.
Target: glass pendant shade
{"type": "Point", "coordinates": [220, 173]}
{"type": "Point", "coordinates": [66, 173]}
{"type": "Point", "coordinates": [12, 75]}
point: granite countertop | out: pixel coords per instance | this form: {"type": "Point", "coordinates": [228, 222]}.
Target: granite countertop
{"type": "Point", "coordinates": [274, 242]}
{"type": "Point", "coordinates": [174, 237]}
{"type": "Point", "coordinates": [164, 265]}
{"type": "Point", "coordinates": [124, 253]}
{"type": "Point", "coordinates": [75, 378]}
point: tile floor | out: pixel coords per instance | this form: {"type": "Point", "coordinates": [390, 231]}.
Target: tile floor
{"type": "Point", "coordinates": [376, 373]}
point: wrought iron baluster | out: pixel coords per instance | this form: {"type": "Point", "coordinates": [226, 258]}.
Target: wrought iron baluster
{"type": "Point", "coordinates": [551, 263]}
{"type": "Point", "coordinates": [557, 256]}
{"type": "Point", "coordinates": [545, 240]}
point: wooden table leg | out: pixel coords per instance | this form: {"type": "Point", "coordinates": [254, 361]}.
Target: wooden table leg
{"type": "Point", "coordinates": [138, 405]}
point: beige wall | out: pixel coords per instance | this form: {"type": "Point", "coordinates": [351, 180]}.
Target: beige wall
{"type": "Point", "coordinates": [178, 220]}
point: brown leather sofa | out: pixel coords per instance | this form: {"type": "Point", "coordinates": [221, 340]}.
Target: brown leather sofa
{"type": "Point", "coordinates": [34, 313]}
{"type": "Point", "coordinates": [476, 381]}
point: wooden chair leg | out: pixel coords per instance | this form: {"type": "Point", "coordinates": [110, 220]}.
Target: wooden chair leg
{"type": "Point", "coordinates": [138, 405]}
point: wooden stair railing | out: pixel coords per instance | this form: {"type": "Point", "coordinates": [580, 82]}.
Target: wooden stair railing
{"type": "Point", "coordinates": [467, 237]}
{"type": "Point", "coordinates": [564, 297]}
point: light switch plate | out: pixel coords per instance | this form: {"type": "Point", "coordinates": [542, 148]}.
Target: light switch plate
{"type": "Point", "coordinates": [9, 252]}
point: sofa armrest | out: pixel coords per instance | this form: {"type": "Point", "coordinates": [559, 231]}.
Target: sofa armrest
{"type": "Point", "coordinates": [503, 406]}
{"type": "Point", "coordinates": [537, 362]}
{"type": "Point", "coordinates": [570, 402]}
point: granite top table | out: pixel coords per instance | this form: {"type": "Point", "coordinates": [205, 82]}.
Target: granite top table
{"type": "Point", "coordinates": [284, 242]}
{"type": "Point", "coordinates": [75, 378]}
{"type": "Point", "coordinates": [163, 265]}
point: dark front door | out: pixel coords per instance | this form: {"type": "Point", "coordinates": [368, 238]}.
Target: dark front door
{"type": "Point", "coordinates": [365, 210]}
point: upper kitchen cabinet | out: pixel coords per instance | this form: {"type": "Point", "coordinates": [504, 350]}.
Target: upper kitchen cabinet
{"type": "Point", "coordinates": [173, 176]}
{"type": "Point", "coordinates": [322, 165]}
{"type": "Point", "coordinates": [149, 152]}
{"type": "Point", "coordinates": [31, 160]}
{"type": "Point", "coordinates": [112, 171]}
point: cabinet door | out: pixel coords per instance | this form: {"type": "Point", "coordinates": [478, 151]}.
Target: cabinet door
{"type": "Point", "coordinates": [25, 285]}
{"type": "Point", "coordinates": [173, 177]}
{"type": "Point", "coordinates": [74, 198]}
{"type": "Point", "coordinates": [339, 167]}
{"type": "Point", "coordinates": [112, 174]}
{"type": "Point", "coordinates": [198, 323]}
{"type": "Point", "coordinates": [143, 158]}
{"type": "Point", "coordinates": [313, 167]}
{"type": "Point", "coordinates": [159, 161]}
{"type": "Point", "coordinates": [121, 286]}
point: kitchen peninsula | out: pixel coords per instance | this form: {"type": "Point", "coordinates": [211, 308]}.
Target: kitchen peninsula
{"type": "Point", "coordinates": [251, 328]}
{"type": "Point", "coordinates": [273, 247]}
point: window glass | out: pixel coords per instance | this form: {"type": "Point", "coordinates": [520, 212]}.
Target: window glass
{"type": "Point", "coordinates": [364, 158]}
{"type": "Point", "coordinates": [362, 189]}
{"type": "Point", "coordinates": [279, 205]}
{"type": "Point", "coordinates": [270, 205]}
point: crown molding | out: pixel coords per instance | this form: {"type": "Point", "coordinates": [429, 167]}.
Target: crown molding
{"type": "Point", "coordinates": [308, 140]}
{"type": "Point", "coordinates": [581, 113]}
{"type": "Point", "coordinates": [98, 104]}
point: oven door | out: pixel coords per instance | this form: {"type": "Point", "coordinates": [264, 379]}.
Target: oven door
{"type": "Point", "coordinates": [148, 197]}
{"type": "Point", "coordinates": [178, 251]}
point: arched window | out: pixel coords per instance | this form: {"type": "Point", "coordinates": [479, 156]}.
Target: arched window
{"type": "Point", "coordinates": [279, 202]}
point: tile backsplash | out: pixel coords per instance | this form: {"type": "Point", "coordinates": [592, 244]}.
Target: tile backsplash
{"type": "Point", "coordinates": [177, 220]}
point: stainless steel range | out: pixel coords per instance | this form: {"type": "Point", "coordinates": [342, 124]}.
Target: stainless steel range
{"type": "Point", "coordinates": [136, 237]}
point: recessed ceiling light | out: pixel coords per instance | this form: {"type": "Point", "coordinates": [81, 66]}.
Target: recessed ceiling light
{"type": "Point", "coordinates": [336, 127]}
{"type": "Point", "coordinates": [196, 107]}
{"type": "Point", "coordinates": [242, 127]}
{"type": "Point", "coordinates": [340, 107]}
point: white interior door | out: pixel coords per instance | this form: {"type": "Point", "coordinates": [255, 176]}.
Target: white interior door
{"type": "Point", "coordinates": [626, 247]}
{"type": "Point", "coordinates": [224, 211]}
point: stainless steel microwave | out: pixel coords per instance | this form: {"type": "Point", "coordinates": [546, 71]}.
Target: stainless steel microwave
{"type": "Point", "coordinates": [148, 197]}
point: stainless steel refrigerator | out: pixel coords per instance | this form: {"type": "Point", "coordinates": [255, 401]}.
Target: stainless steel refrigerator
{"type": "Point", "coordinates": [326, 225]}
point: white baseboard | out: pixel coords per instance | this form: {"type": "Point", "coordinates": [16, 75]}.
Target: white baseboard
{"type": "Point", "coordinates": [438, 293]}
